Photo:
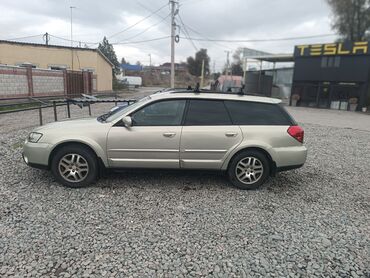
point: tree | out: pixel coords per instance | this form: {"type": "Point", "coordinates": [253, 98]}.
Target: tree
{"type": "Point", "coordinates": [236, 65]}
{"type": "Point", "coordinates": [237, 69]}
{"type": "Point", "coordinates": [351, 18]}
{"type": "Point", "coordinates": [123, 61]}
{"type": "Point", "coordinates": [195, 64]}
{"type": "Point", "coordinates": [107, 49]}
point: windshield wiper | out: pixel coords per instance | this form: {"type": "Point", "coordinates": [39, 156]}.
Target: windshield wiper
{"type": "Point", "coordinates": [104, 117]}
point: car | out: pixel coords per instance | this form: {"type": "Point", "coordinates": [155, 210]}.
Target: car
{"type": "Point", "coordinates": [250, 138]}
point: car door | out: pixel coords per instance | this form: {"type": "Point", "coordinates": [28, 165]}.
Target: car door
{"type": "Point", "coordinates": [152, 141]}
{"type": "Point", "coordinates": [208, 135]}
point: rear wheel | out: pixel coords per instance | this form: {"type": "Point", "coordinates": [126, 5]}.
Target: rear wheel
{"type": "Point", "coordinates": [249, 169]}
{"type": "Point", "coordinates": [74, 166]}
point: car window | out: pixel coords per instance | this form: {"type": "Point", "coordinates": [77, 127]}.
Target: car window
{"type": "Point", "coordinates": [122, 111]}
{"type": "Point", "coordinates": [207, 112]}
{"type": "Point", "coordinates": [163, 113]}
{"type": "Point", "coordinates": [256, 113]}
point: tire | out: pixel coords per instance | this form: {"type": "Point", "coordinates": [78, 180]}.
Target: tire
{"type": "Point", "coordinates": [249, 169]}
{"type": "Point", "coordinates": [78, 163]}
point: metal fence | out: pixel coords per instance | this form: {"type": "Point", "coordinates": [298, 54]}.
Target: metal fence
{"type": "Point", "coordinates": [40, 104]}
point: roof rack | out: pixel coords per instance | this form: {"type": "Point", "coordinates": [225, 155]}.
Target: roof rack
{"type": "Point", "coordinates": [207, 91]}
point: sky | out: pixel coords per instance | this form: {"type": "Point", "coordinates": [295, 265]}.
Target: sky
{"type": "Point", "coordinates": [128, 22]}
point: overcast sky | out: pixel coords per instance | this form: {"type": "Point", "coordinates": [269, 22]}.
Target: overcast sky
{"type": "Point", "coordinates": [212, 19]}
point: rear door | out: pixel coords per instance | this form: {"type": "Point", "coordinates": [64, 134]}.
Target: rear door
{"type": "Point", "coordinates": [208, 135]}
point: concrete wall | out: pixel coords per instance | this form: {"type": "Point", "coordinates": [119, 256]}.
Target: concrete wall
{"type": "Point", "coordinates": [44, 57]}
{"type": "Point", "coordinates": [13, 81]}
{"type": "Point", "coordinates": [25, 82]}
{"type": "Point", "coordinates": [47, 81]}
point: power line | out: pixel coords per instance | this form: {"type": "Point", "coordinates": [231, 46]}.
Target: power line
{"type": "Point", "coordinates": [23, 38]}
{"type": "Point", "coordinates": [187, 33]}
{"type": "Point", "coordinates": [221, 46]}
{"type": "Point", "coordinates": [133, 25]}
{"type": "Point", "coordinates": [149, 40]}
{"type": "Point", "coordinates": [261, 40]}
{"type": "Point", "coordinates": [151, 26]}
{"type": "Point", "coordinates": [69, 40]}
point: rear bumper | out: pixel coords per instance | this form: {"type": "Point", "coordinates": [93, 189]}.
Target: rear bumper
{"type": "Point", "coordinates": [287, 168]}
{"type": "Point", "coordinates": [288, 158]}
{"type": "Point", "coordinates": [36, 154]}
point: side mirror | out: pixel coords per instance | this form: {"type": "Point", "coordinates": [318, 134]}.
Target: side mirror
{"type": "Point", "coordinates": [127, 121]}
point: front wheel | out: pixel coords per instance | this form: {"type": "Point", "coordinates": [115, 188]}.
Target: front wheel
{"type": "Point", "coordinates": [74, 166]}
{"type": "Point", "coordinates": [249, 169]}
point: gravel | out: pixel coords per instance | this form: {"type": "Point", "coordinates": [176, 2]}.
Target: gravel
{"type": "Point", "coordinates": [308, 222]}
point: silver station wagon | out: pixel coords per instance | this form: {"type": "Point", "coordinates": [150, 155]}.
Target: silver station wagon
{"type": "Point", "coordinates": [248, 137]}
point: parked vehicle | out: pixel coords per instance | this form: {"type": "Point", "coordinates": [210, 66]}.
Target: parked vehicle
{"type": "Point", "coordinates": [131, 81]}
{"type": "Point", "coordinates": [248, 137]}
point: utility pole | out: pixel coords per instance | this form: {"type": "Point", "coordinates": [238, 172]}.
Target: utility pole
{"type": "Point", "coordinates": [46, 38]}
{"type": "Point", "coordinates": [244, 68]}
{"type": "Point", "coordinates": [202, 75]}
{"type": "Point", "coordinates": [227, 62]}
{"type": "Point", "coordinates": [71, 7]}
{"type": "Point", "coordinates": [150, 59]}
{"type": "Point", "coordinates": [214, 69]}
{"type": "Point", "coordinates": [173, 27]}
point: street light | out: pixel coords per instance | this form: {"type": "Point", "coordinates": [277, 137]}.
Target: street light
{"type": "Point", "coordinates": [72, 7]}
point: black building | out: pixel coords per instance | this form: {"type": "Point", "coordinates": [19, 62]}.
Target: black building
{"type": "Point", "coordinates": [334, 75]}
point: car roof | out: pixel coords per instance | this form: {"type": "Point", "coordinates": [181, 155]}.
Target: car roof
{"type": "Point", "coordinates": [176, 93]}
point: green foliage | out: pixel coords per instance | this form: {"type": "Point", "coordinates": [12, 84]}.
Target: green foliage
{"type": "Point", "coordinates": [107, 49]}
{"type": "Point", "coordinates": [195, 64]}
{"type": "Point", "coordinates": [351, 18]}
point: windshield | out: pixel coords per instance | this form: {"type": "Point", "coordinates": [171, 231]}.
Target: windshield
{"type": "Point", "coordinates": [119, 111]}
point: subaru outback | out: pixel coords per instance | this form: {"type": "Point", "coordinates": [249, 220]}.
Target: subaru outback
{"type": "Point", "coordinates": [248, 137]}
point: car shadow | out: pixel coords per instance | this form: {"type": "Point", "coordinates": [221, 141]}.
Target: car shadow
{"type": "Point", "coordinates": [181, 179]}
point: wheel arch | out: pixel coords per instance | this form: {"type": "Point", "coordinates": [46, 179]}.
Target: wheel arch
{"type": "Point", "coordinates": [255, 148]}
{"type": "Point", "coordinates": [101, 161]}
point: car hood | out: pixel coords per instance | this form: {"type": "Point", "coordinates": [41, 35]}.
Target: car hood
{"type": "Point", "coordinates": [71, 124]}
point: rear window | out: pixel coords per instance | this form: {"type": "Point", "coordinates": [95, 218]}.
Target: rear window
{"type": "Point", "coordinates": [256, 113]}
{"type": "Point", "coordinates": [207, 112]}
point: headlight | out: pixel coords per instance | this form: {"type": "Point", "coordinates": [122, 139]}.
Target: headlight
{"type": "Point", "coordinates": [34, 137]}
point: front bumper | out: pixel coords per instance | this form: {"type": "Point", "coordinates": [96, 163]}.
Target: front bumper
{"type": "Point", "coordinates": [36, 154]}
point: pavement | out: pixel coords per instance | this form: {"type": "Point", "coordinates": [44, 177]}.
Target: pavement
{"type": "Point", "coordinates": [332, 118]}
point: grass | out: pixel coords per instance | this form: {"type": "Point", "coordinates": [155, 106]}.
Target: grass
{"type": "Point", "coordinates": [18, 106]}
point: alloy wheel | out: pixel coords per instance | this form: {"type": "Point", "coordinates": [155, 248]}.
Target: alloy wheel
{"type": "Point", "coordinates": [249, 170]}
{"type": "Point", "coordinates": [73, 167]}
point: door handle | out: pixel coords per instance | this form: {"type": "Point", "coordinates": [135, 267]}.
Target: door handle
{"type": "Point", "coordinates": [231, 134]}
{"type": "Point", "coordinates": [169, 134]}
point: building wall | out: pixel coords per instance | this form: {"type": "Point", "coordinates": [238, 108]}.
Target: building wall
{"type": "Point", "coordinates": [44, 57]}
{"type": "Point", "coordinates": [104, 74]}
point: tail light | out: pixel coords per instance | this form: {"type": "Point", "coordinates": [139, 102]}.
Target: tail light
{"type": "Point", "coordinates": [296, 132]}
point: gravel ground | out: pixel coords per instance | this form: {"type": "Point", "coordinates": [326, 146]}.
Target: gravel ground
{"type": "Point", "coordinates": [305, 223]}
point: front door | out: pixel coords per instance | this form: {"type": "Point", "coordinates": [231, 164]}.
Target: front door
{"type": "Point", "coordinates": [208, 135]}
{"type": "Point", "coordinates": [152, 141]}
